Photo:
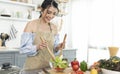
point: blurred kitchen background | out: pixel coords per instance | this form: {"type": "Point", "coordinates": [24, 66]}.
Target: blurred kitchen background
{"type": "Point", "coordinates": [91, 26]}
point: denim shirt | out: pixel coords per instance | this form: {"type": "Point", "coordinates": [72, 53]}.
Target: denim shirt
{"type": "Point", "coordinates": [27, 46]}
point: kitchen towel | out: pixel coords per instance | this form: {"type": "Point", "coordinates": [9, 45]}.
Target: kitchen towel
{"type": "Point", "coordinates": [12, 32]}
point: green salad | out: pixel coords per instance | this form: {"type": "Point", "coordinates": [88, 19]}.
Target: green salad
{"type": "Point", "coordinates": [59, 62]}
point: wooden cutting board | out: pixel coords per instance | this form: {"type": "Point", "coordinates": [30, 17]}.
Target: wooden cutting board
{"type": "Point", "coordinates": [66, 71]}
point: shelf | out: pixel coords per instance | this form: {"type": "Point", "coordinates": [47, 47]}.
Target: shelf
{"type": "Point", "coordinates": [19, 3]}
{"type": "Point", "coordinates": [14, 19]}
{"type": "Point", "coordinates": [62, 1]}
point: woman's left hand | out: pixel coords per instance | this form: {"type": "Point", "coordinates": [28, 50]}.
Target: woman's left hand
{"type": "Point", "coordinates": [61, 46]}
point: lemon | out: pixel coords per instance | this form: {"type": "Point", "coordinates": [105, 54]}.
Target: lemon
{"type": "Point", "coordinates": [93, 71]}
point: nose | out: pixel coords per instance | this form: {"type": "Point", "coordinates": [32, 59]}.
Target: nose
{"type": "Point", "coordinates": [51, 16]}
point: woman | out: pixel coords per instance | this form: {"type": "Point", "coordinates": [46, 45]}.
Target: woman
{"type": "Point", "coordinates": [31, 43]}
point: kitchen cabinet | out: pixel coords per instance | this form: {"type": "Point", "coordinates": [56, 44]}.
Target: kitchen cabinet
{"type": "Point", "coordinates": [7, 57]}
{"type": "Point", "coordinates": [13, 57]}
{"type": "Point", "coordinates": [69, 54]}
{"type": "Point", "coordinates": [19, 59]}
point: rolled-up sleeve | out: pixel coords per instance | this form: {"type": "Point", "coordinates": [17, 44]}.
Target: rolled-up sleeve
{"type": "Point", "coordinates": [27, 46]}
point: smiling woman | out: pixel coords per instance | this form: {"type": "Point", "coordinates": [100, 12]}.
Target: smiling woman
{"type": "Point", "coordinates": [31, 43]}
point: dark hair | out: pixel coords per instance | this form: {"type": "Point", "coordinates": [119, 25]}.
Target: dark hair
{"type": "Point", "coordinates": [47, 3]}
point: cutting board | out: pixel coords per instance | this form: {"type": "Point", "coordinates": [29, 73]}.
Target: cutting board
{"type": "Point", "coordinates": [66, 71]}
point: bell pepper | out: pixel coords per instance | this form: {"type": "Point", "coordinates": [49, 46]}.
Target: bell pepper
{"type": "Point", "coordinates": [75, 65]}
{"type": "Point", "coordinates": [83, 66]}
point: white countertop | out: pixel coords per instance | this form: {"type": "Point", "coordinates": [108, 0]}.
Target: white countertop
{"type": "Point", "coordinates": [16, 49]}
{"type": "Point", "coordinates": [8, 49]}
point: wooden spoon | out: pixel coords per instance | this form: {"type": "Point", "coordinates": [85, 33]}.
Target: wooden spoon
{"type": "Point", "coordinates": [62, 45]}
{"type": "Point", "coordinates": [52, 55]}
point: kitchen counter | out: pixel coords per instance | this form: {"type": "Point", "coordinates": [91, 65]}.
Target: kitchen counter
{"type": "Point", "coordinates": [66, 71]}
{"type": "Point", "coordinates": [7, 49]}
{"type": "Point", "coordinates": [12, 56]}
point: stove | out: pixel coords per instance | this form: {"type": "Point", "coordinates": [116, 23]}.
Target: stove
{"type": "Point", "coordinates": [12, 70]}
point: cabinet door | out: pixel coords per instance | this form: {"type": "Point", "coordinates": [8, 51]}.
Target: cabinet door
{"type": "Point", "coordinates": [20, 59]}
{"type": "Point", "coordinates": [6, 58]}
{"type": "Point", "coordinates": [69, 54]}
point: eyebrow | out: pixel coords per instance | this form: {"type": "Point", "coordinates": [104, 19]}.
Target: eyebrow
{"type": "Point", "coordinates": [51, 11]}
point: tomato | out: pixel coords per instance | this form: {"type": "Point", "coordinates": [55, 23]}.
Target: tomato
{"type": "Point", "coordinates": [75, 67]}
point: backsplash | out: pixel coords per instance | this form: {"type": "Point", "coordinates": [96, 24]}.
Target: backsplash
{"type": "Point", "coordinates": [5, 27]}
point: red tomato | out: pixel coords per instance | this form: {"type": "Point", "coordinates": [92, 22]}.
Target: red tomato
{"type": "Point", "coordinates": [75, 67]}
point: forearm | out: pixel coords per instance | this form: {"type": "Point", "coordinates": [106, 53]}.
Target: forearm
{"type": "Point", "coordinates": [27, 46]}
{"type": "Point", "coordinates": [29, 50]}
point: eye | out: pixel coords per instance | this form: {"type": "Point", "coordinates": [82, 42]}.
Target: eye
{"type": "Point", "coordinates": [49, 12]}
{"type": "Point", "coordinates": [55, 14]}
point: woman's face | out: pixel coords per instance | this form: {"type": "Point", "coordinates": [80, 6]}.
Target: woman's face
{"type": "Point", "coordinates": [49, 13]}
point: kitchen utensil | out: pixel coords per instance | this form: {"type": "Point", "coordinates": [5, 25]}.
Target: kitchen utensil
{"type": "Point", "coordinates": [52, 55]}
{"type": "Point", "coordinates": [62, 45]}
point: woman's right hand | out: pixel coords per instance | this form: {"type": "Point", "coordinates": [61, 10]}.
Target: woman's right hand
{"type": "Point", "coordinates": [42, 45]}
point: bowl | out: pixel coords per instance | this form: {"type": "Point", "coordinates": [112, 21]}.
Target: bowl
{"type": "Point", "coordinates": [59, 69]}
{"type": "Point", "coordinates": [105, 71]}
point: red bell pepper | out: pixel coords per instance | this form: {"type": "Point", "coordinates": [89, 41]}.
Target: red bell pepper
{"type": "Point", "coordinates": [75, 65]}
